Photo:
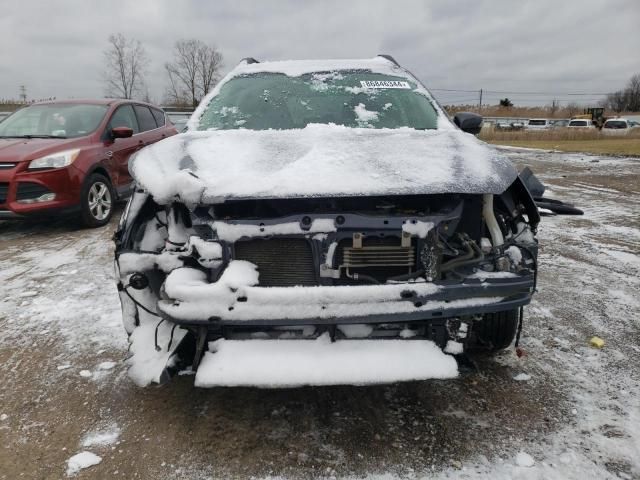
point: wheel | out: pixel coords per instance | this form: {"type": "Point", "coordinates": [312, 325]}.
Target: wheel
{"type": "Point", "coordinates": [496, 331]}
{"type": "Point", "coordinates": [96, 201]}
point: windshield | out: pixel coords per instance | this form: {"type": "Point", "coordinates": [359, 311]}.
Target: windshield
{"type": "Point", "coordinates": [55, 120]}
{"type": "Point", "coordinates": [538, 122]}
{"type": "Point", "coordinates": [578, 123]}
{"type": "Point", "coordinates": [351, 98]}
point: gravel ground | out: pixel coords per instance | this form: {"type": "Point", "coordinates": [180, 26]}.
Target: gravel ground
{"type": "Point", "coordinates": [576, 414]}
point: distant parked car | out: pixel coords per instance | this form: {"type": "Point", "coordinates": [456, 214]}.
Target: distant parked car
{"type": "Point", "coordinates": [559, 123]}
{"type": "Point", "coordinates": [73, 156]}
{"type": "Point", "coordinates": [179, 119]}
{"type": "Point", "coordinates": [616, 126]}
{"type": "Point", "coordinates": [4, 115]}
{"type": "Point", "coordinates": [538, 124]}
{"type": "Point", "coordinates": [508, 126]}
{"type": "Point", "coordinates": [581, 123]}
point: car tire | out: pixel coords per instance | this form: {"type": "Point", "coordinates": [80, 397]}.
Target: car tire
{"type": "Point", "coordinates": [97, 201]}
{"type": "Point", "coordinates": [496, 331]}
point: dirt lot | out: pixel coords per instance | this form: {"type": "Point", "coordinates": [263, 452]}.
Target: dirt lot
{"type": "Point", "coordinates": [578, 415]}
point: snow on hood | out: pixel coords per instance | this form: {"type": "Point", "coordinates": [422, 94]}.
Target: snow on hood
{"type": "Point", "coordinates": [318, 161]}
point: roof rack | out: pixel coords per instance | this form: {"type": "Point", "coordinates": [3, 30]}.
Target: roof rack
{"type": "Point", "coordinates": [389, 57]}
{"type": "Point", "coordinates": [249, 60]}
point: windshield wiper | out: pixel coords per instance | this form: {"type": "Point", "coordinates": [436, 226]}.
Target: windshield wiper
{"type": "Point", "coordinates": [32, 136]}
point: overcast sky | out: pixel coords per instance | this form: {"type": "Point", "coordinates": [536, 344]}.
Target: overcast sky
{"type": "Point", "coordinates": [55, 48]}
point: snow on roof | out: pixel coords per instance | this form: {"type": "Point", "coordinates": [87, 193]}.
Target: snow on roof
{"type": "Point", "coordinates": [318, 161]}
{"type": "Point", "coordinates": [295, 68]}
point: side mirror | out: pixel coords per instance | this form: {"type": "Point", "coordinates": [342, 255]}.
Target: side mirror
{"type": "Point", "coordinates": [468, 122]}
{"type": "Point", "coordinates": [121, 132]}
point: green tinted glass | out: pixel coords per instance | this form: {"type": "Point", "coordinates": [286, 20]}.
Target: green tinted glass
{"type": "Point", "coordinates": [354, 99]}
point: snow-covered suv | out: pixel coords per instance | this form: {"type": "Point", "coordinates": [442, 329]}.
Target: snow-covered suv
{"type": "Point", "coordinates": [322, 222]}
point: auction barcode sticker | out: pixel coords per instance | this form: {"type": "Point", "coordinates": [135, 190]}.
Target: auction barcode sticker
{"type": "Point", "coordinates": [384, 84]}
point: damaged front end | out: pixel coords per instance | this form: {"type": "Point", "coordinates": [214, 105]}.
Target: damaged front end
{"type": "Point", "coordinates": [338, 273]}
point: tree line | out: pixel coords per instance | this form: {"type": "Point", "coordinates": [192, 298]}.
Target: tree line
{"type": "Point", "coordinates": [192, 72]}
{"type": "Point", "coordinates": [627, 99]}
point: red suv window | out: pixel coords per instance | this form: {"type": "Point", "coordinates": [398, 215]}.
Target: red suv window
{"type": "Point", "coordinates": [124, 117]}
{"type": "Point", "coordinates": [145, 118]}
{"type": "Point", "coordinates": [159, 116]}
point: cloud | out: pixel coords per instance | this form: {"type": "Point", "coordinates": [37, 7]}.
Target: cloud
{"type": "Point", "coordinates": [549, 46]}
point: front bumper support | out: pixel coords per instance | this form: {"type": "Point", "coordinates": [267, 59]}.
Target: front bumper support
{"type": "Point", "coordinates": [511, 293]}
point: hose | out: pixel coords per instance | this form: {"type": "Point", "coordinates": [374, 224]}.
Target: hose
{"type": "Point", "coordinates": [453, 263]}
{"type": "Point", "coordinates": [406, 276]}
{"type": "Point", "coordinates": [490, 220]}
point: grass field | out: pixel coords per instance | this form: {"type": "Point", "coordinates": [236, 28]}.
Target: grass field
{"type": "Point", "coordinates": [627, 146]}
{"type": "Point", "coordinates": [568, 141]}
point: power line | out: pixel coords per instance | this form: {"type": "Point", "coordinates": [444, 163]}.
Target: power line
{"type": "Point", "coordinates": [519, 93]}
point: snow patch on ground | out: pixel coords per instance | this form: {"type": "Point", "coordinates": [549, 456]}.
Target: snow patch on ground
{"type": "Point", "coordinates": [101, 438]}
{"type": "Point", "coordinates": [80, 461]}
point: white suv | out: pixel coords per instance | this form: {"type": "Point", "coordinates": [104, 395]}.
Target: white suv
{"type": "Point", "coordinates": [616, 126]}
{"type": "Point", "coordinates": [581, 123]}
{"type": "Point", "coordinates": [538, 124]}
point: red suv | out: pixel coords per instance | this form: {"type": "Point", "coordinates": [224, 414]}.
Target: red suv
{"type": "Point", "coordinates": [72, 156]}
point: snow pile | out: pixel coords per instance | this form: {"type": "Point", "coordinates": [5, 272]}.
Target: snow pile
{"type": "Point", "coordinates": [454, 348]}
{"type": "Point", "coordinates": [318, 160]}
{"type": "Point", "coordinates": [482, 275]}
{"type": "Point", "coordinates": [209, 254]}
{"type": "Point", "coordinates": [418, 228]}
{"type": "Point", "coordinates": [357, 330]}
{"type": "Point", "coordinates": [106, 365]}
{"type": "Point", "coordinates": [364, 116]}
{"type": "Point", "coordinates": [523, 459]}
{"type": "Point", "coordinates": [81, 461]}
{"type": "Point", "coordinates": [231, 232]}
{"type": "Point", "coordinates": [515, 254]}
{"type": "Point", "coordinates": [291, 363]}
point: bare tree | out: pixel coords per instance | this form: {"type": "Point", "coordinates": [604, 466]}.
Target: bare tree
{"type": "Point", "coordinates": [627, 99]}
{"type": "Point", "coordinates": [193, 72]}
{"type": "Point", "coordinates": [617, 101]}
{"type": "Point", "coordinates": [209, 64]}
{"type": "Point", "coordinates": [632, 92]}
{"type": "Point", "coordinates": [572, 109]}
{"type": "Point", "coordinates": [126, 66]}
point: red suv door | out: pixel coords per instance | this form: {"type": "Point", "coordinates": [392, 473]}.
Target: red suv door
{"type": "Point", "coordinates": [122, 148]}
{"type": "Point", "coordinates": [151, 132]}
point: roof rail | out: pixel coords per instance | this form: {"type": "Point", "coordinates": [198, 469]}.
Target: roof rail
{"type": "Point", "coordinates": [388, 57]}
{"type": "Point", "coordinates": [249, 60]}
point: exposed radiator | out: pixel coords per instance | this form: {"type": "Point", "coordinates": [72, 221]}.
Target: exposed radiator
{"type": "Point", "coordinates": [282, 262]}
{"type": "Point", "coordinates": [378, 257]}
{"type": "Point", "coordinates": [376, 252]}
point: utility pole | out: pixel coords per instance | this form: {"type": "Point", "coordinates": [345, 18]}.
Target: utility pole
{"type": "Point", "coordinates": [480, 104]}
{"type": "Point", "coordinates": [23, 93]}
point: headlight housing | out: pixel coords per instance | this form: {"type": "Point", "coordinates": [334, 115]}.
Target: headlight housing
{"type": "Point", "coordinates": [55, 160]}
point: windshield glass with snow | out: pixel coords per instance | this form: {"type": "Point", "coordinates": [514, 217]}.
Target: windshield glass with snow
{"type": "Point", "coordinates": [351, 98]}
{"type": "Point", "coordinates": [55, 120]}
